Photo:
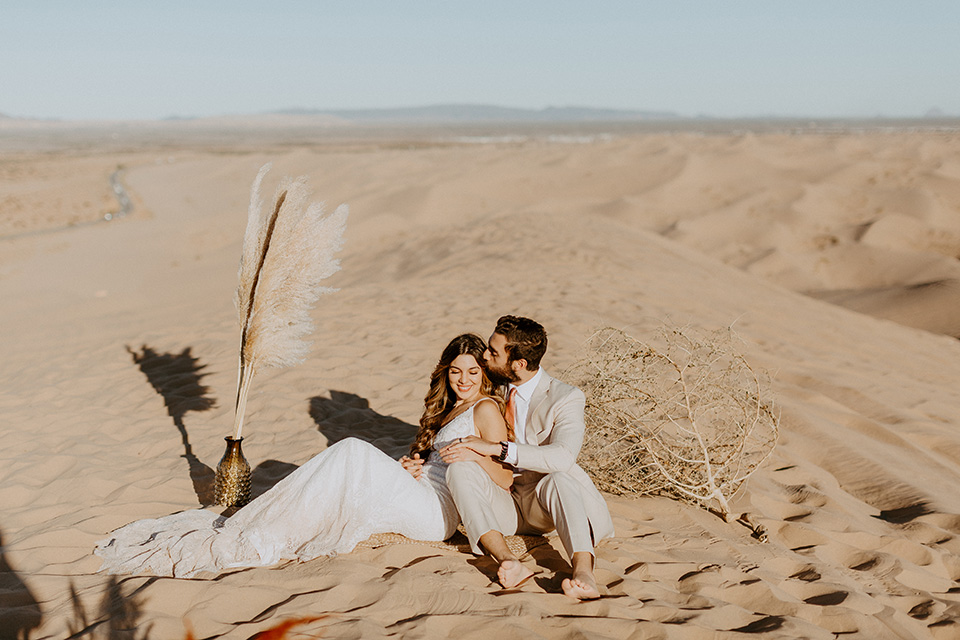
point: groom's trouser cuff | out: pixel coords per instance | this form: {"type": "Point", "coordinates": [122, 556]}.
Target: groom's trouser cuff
{"type": "Point", "coordinates": [483, 505]}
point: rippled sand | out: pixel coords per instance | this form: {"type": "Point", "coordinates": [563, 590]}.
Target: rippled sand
{"type": "Point", "coordinates": [119, 345]}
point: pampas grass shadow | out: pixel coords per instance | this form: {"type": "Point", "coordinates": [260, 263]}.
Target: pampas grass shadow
{"type": "Point", "coordinates": [116, 618]}
{"type": "Point", "coordinates": [19, 610]}
{"type": "Point", "coordinates": [177, 378]}
{"type": "Point", "coordinates": [346, 414]}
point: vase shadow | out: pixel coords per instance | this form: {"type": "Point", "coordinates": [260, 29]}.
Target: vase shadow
{"type": "Point", "coordinates": [177, 378]}
{"type": "Point", "coordinates": [345, 415]}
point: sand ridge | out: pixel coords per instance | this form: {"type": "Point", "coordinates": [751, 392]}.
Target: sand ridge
{"type": "Point", "coordinates": [119, 369]}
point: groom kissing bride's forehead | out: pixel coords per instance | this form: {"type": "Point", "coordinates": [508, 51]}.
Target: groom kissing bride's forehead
{"type": "Point", "coordinates": [516, 346]}
{"type": "Point", "coordinates": [550, 491]}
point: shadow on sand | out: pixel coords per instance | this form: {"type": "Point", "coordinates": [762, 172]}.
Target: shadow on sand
{"type": "Point", "coordinates": [267, 474]}
{"type": "Point", "coordinates": [345, 415]}
{"type": "Point", "coordinates": [116, 618]}
{"type": "Point", "coordinates": [177, 378]}
{"type": "Point", "coordinates": [340, 416]}
{"type": "Point", "coordinates": [19, 610]}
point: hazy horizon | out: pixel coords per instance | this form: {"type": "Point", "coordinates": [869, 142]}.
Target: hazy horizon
{"type": "Point", "coordinates": [437, 113]}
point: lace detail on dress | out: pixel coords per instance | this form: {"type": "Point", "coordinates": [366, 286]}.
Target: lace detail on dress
{"type": "Point", "coordinates": [340, 497]}
{"type": "Point", "coordinates": [435, 469]}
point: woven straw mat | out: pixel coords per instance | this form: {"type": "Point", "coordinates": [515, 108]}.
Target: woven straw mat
{"type": "Point", "coordinates": [519, 545]}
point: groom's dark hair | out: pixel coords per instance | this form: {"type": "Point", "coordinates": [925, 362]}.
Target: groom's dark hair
{"type": "Point", "coordinates": [526, 339]}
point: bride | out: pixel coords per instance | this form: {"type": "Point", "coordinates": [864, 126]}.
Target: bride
{"type": "Point", "coordinates": [340, 497]}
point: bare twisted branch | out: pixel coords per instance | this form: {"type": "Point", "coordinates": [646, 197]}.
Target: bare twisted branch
{"type": "Point", "coordinates": [690, 418]}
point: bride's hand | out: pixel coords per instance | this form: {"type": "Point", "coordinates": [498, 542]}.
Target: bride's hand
{"type": "Point", "coordinates": [413, 466]}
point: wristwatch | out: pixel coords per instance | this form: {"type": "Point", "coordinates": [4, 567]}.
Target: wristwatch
{"type": "Point", "coordinates": [503, 451]}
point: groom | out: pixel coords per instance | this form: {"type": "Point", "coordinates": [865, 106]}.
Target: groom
{"type": "Point", "coordinates": [549, 491]}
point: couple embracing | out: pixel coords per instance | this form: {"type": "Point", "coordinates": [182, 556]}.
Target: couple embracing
{"type": "Point", "coordinates": [501, 464]}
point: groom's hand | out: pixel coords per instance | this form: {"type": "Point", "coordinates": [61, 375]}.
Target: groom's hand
{"type": "Point", "coordinates": [469, 448]}
{"type": "Point", "coordinates": [413, 466]}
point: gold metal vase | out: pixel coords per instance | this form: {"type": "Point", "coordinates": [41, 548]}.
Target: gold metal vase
{"type": "Point", "coordinates": [233, 476]}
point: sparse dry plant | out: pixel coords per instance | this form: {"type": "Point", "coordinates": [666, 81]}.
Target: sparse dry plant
{"type": "Point", "coordinates": [688, 418]}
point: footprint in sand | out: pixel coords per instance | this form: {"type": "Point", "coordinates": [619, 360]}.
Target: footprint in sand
{"type": "Point", "coordinates": [799, 502]}
{"type": "Point", "coordinates": [947, 521]}
{"type": "Point", "coordinates": [906, 562]}
{"type": "Point", "coordinates": [694, 581]}
{"type": "Point", "coordinates": [909, 550]}
{"type": "Point", "coordinates": [784, 566]}
{"type": "Point", "coordinates": [805, 495]}
{"type": "Point", "coordinates": [915, 578]}
{"type": "Point", "coordinates": [866, 563]}
{"type": "Point", "coordinates": [808, 574]}
{"type": "Point", "coordinates": [859, 559]}
{"type": "Point", "coordinates": [763, 625]}
{"type": "Point", "coordinates": [829, 599]}
{"type": "Point", "coordinates": [799, 537]}
{"type": "Point", "coordinates": [926, 533]}
{"type": "Point", "coordinates": [825, 594]}
{"type": "Point", "coordinates": [923, 609]}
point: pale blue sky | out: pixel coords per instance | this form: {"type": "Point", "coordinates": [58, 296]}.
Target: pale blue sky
{"type": "Point", "coordinates": [131, 59]}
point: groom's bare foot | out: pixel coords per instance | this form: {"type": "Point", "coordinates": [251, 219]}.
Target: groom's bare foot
{"type": "Point", "coordinates": [582, 586]}
{"type": "Point", "coordinates": [512, 574]}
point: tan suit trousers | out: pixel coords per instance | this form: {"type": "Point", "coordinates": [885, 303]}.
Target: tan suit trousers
{"type": "Point", "coordinates": [554, 501]}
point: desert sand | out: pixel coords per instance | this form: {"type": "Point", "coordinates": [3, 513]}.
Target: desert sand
{"type": "Point", "coordinates": [833, 255]}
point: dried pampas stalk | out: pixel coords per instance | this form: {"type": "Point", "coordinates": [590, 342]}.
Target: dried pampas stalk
{"type": "Point", "coordinates": [286, 255]}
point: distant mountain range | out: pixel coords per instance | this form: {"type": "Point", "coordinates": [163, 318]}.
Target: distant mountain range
{"type": "Point", "coordinates": [484, 113]}
{"type": "Point", "coordinates": [471, 113]}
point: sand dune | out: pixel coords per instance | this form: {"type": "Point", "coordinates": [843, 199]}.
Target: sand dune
{"type": "Point", "coordinates": [119, 349]}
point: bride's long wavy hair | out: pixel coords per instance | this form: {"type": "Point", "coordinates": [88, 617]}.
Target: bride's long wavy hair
{"type": "Point", "coordinates": [440, 398]}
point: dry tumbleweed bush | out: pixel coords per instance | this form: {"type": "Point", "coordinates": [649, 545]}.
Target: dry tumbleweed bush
{"type": "Point", "coordinates": [691, 419]}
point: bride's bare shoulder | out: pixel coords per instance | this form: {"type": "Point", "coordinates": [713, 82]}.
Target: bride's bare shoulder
{"type": "Point", "coordinates": [487, 409]}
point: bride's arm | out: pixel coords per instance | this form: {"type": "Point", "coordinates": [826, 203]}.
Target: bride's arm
{"type": "Point", "coordinates": [489, 423]}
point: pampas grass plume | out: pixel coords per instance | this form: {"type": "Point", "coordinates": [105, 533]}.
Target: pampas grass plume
{"type": "Point", "coordinates": [287, 251]}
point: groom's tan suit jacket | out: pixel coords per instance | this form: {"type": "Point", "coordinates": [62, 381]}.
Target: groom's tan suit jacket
{"type": "Point", "coordinates": [554, 434]}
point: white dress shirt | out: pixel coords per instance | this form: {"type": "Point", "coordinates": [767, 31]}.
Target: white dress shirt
{"type": "Point", "coordinates": [522, 402]}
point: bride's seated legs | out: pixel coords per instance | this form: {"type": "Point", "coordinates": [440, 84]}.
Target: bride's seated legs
{"type": "Point", "coordinates": [483, 505]}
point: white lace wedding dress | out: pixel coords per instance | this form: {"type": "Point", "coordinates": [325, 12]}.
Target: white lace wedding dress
{"type": "Point", "coordinates": [339, 498]}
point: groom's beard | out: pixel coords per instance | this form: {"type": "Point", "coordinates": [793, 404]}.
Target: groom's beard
{"type": "Point", "coordinates": [501, 377]}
